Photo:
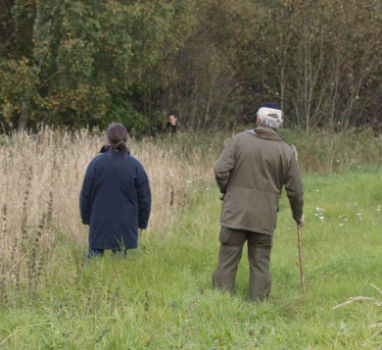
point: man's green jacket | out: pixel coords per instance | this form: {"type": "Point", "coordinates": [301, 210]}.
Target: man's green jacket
{"type": "Point", "coordinates": [251, 172]}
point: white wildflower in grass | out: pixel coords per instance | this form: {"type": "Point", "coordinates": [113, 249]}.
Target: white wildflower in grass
{"type": "Point", "coordinates": [317, 190]}
{"type": "Point", "coordinates": [188, 181]}
{"type": "Point", "coordinates": [342, 217]}
{"type": "Point", "coordinates": [319, 212]}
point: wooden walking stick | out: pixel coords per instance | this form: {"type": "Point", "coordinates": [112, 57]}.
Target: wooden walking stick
{"type": "Point", "coordinates": [300, 238]}
{"type": "Point", "coordinates": [301, 259]}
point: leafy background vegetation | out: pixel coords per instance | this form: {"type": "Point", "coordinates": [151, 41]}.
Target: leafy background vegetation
{"type": "Point", "coordinates": [87, 63]}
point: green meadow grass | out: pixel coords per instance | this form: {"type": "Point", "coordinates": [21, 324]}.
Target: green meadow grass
{"type": "Point", "coordinates": [160, 297]}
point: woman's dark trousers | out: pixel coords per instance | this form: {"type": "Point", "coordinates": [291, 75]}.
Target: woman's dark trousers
{"type": "Point", "coordinates": [96, 252]}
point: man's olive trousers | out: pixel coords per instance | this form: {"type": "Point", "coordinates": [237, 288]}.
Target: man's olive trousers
{"type": "Point", "coordinates": [259, 250]}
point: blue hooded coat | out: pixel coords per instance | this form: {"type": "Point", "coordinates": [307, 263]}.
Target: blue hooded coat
{"type": "Point", "coordinates": [115, 200]}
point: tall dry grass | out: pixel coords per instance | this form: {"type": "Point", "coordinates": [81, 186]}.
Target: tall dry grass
{"type": "Point", "coordinates": [40, 185]}
{"type": "Point", "coordinates": [323, 152]}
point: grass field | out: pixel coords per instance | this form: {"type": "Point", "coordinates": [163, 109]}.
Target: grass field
{"type": "Point", "coordinates": [160, 297]}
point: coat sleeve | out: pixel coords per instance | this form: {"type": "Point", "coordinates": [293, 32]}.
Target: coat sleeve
{"type": "Point", "coordinates": [85, 194]}
{"type": "Point", "coordinates": [142, 186]}
{"type": "Point", "coordinates": [224, 165]}
{"type": "Point", "coordinates": [294, 189]}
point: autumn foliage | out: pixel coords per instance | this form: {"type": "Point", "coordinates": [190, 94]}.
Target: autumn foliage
{"type": "Point", "coordinates": [87, 63]}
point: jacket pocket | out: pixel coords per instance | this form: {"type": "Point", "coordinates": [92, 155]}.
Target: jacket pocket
{"type": "Point", "coordinates": [225, 234]}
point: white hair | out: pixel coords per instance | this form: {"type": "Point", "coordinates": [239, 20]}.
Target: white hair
{"type": "Point", "coordinates": [270, 118]}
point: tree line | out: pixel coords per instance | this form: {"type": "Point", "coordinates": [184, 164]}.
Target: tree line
{"type": "Point", "coordinates": [83, 63]}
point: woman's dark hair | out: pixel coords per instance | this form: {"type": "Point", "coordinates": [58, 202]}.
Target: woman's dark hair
{"type": "Point", "coordinates": [117, 136]}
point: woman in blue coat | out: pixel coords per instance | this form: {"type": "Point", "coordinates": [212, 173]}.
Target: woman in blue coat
{"type": "Point", "coordinates": [115, 198]}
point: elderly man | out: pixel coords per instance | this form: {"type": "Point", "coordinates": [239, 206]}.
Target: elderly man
{"type": "Point", "coordinates": [250, 173]}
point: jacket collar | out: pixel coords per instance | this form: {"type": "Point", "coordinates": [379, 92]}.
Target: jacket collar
{"type": "Point", "coordinates": [266, 133]}
{"type": "Point", "coordinates": [106, 148]}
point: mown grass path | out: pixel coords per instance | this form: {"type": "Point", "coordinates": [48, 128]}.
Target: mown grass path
{"type": "Point", "coordinates": [160, 297]}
